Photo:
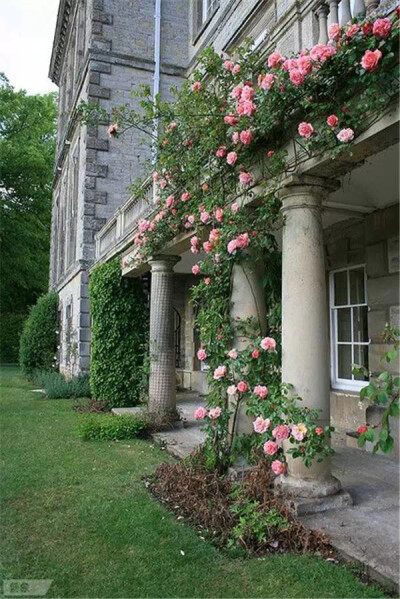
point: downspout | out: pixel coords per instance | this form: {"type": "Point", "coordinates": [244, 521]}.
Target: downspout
{"type": "Point", "coordinates": [156, 77]}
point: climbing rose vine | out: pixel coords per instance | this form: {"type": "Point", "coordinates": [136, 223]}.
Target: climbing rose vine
{"type": "Point", "coordinates": [222, 152]}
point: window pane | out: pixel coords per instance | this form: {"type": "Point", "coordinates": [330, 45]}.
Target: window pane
{"type": "Point", "coordinates": [361, 357]}
{"type": "Point", "coordinates": [360, 324]}
{"type": "Point", "coordinates": [340, 285]}
{"type": "Point", "coordinates": [344, 324]}
{"type": "Point", "coordinates": [344, 361]}
{"type": "Point", "coordinates": [357, 295]}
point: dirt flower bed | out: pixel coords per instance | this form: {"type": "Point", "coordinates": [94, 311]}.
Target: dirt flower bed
{"type": "Point", "coordinates": [246, 515]}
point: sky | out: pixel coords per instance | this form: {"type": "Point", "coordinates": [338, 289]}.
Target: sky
{"type": "Point", "coordinates": [26, 39]}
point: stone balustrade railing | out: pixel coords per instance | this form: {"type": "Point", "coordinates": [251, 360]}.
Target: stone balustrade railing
{"type": "Point", "coordinates": [125, 220]}
{"type": "Point", "coordinates": [340, 11]}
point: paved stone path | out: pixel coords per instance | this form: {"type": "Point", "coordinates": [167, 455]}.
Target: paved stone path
{"type": "Point", "coordinates": [367, 531]}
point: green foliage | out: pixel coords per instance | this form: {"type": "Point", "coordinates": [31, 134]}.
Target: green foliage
{"type": "Point", "coordinates": [57, 386]}
{"type": "Point", "coordinates": [119, 333]}
{"type": "Point", "coordinates": [110, 428]}
{"type": "Point", "coordinates": [38, 344]}
{"type": "Point", "coordinates": [255, 525]}
{"type": "Point", "coordinates": [27, 145]}
{"type": "Point", "coordinates": [382, 390]}
{"type": "Point", "coordinates": [11, 325]}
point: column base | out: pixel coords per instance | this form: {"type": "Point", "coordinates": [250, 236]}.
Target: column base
{"type": "Point", "coordinates": [301, 506]}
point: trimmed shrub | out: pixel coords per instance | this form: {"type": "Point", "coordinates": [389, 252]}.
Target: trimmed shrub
{"type": "Point", "coordinates": [119, 332]}
{"type": "Point", "coordinates": [57, 386]}
{"type": "Point", "coordinates": [38, 344]}
{"type": "Point", "coordinates": [111, 428]}
{"type": "Point", "coordinates": [10, 332]}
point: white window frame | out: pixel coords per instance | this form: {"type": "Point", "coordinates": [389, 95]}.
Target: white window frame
{"type": "Point", "coordinates": [208, 8]}
{"type": "Point", "coordinates": [340, 383]}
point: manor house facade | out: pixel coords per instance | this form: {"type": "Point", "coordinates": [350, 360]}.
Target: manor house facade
{"type": "Point", "coordinates": [340, 279]}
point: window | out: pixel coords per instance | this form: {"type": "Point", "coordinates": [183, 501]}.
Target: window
{"type": "Point", "coordinates": [349, 326]}
{"type": "Point", "coordinates": [207, 9]}
{"type": "Point", "coordinates": [202, 12]}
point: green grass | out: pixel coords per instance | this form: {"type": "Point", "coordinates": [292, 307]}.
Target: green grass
{"type": "Point", "coordinates": [79, 514]}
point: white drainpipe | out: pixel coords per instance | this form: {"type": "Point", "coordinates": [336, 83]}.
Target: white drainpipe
{"type": "Point", "coordinates": [156, 77]}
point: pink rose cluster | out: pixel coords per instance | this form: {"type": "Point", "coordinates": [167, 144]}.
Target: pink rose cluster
{"type": "Point", "coordinates": [231, 66]}
{"type": "Point", "coordinates": [268, 343]}
{"type": "Point", "coordinates": [244, 96]}
{"type": "Point", "coordinates": [261, 391]}
{"type": "Point", "coordinates": [219, 373]}
{"type": "Point", "coordinates": [241, 241]}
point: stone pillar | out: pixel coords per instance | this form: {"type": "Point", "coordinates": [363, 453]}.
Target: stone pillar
{"type": "Point", "coordinates": [305, 346]}
{"type": "Point", "coordinates": [162, 383]}
{"type": "Point", "coordinates": [247, 301]}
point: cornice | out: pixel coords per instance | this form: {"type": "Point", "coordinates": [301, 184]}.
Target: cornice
{"type": "Point", "coordinates": [64, 15]}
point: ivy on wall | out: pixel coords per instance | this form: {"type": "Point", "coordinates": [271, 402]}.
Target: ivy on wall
{"type": "Point", "coordinates": [119, 334]}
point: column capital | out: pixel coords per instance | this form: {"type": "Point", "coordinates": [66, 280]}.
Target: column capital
{"type": "Point", "coordinates": [163, 263]}
{"type": "Point", "coordinates": [300, 191]}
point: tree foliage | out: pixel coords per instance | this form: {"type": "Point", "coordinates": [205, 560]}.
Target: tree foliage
{"type": "Point", "coordinates": [27, 142]}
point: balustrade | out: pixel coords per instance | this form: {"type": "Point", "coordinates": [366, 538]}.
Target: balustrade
{"type": "Point", "coordinates": [340, 11]}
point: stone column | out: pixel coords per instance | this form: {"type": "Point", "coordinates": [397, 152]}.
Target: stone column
{"type": "Point", "coordinates": [305, 346]}
{"type": "Point", "coordinates": [247, 301]}
{"type": "Point", "coordinates": [162, 383]}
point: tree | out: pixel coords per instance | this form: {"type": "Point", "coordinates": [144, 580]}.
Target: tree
{"type": "Point", "coordinates": [27, 144]}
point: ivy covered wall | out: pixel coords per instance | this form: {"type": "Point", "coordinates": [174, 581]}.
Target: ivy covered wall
{"type": "Point", "coordinates": [119, 333]}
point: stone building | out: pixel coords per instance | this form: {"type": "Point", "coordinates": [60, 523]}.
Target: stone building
{"type": "Point", "coordinates": [340, 278]}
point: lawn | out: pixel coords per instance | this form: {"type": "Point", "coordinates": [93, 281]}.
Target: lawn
{"type": "Point", "coordinates": [77, 513]}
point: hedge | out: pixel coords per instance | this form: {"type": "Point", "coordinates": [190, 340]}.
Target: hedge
{"type": "Point", "coordinates": [119, 332]}
{"type": "Point", "coordinates": [38, 344]}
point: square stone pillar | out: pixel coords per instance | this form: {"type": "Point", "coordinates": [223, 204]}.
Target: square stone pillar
{"type": "Point", "coordinates": [162, 382]}
{"type": "Point", "coordinates": [305, 337]}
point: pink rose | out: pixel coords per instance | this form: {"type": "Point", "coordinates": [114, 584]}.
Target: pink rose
{"type": "Point", "coordinates": [200, 413]}
{"type": "Point", "coordinates": [196, 269]}
{"type": "Point", "coordinates": [196, 86]}
{"type": "Point", "coordinates": [267, 82]}
{"type": "Point", "coordinates": [245, 178]}
{"type": "Point", "coordinates": [370, 60]}
{"type": "Point", "coordinates": [270, 153]}
{"type": "Point", "coordinates": [219, 372]}
{"type": "Point", "coordinates": [255, 354]}
{"type": "Point", "coordinates": [219, 214]}
{"type": "Point", "coordinates": [214, 235]}
{"type": "Point", "coordinates": [143, 226]}
{"type": "Point", "coordinates": [113, 130]}
{"type": "Point", "coordinates": [221, 152]}
{"type": "Point", "coordinates": [163, 183]}
{"type": "Point", "coordinates": [242, 386]}
{"type": "Point", "coordinates": [334, 32]}
{"type": "Point", "coordinates": [351, 31]}
{"type": "Point", "coordinates": [319, 430]}
{"type": "Point", "coordinates": [237, 92]}
{"type": "Point", "coordinates": [201, 355]}
{"type": "Point", "coordinates": [304, 64]}
{"type": "Point", "coordinates": [215, 413]}
{"type": "Point", "coordinates": [236, 69]}
{"type": "Point", "coordinates": [232, 246]}
{"type": "Point", "coordinates": [191, 219]}
{"type": "Point", "coordinates": [207, 281]}
{"type": "Point", "coordinates": [205, 217]}
{"type": "Point", "coordinates": [289, 64]}
{"type": "Point", "coordinates": [247, 93]}
{"type": "Point", "coordinates": [367, 28]}
{"type": "Point", "coordinates": [235, 207]}
{"type": "Point", "coordinates": [235, 138]}
{"type": "Point", "coordinates": [345, 135]}
{"type": "Point", "coordinates": [270, 447]}
{"type": "Point", "coordinates": [228, 65]}
{"type": "Point", "coordinates": [261, 391]}
{"type": "Point", "coordinates": [248, 108]}
{"type": "Point", "coordinates": [231, 158]}
{"type": "Point", "coordinates": [321, 53]}
{"type": "Point", "coordinates": [296, 77]}
{"type": "Point", "coordinates": [299, 431]}
{"type": "Point", "coordinates": [332, 120]}
{"type": "Point", "coordinates": [278, 467]}
{"type": "Point", "coordinates": [155, 176]}
{"type": "Point", "coordinates": [274, 60]}
{"type": "Point", "coordinates": [281, 432]}
{"type": "Point", "coordinates": [185, 196]}
{"type": "Point", "coordinates": [268, 343]}
{"type": "Point", "coordinates": [207, 247]}
{"type": "Point", "coordinates": [231, 390]}
{"type": "Point", "coordinates": [242, 240]}
{"type": "Point", "coordinates": [382, 28]}
{"type": "Point", "coordinates": [246, 137]}
{"type": "Point", "coordinates": [230, 119]}
{"type": "Point", "coordinates": [170, 201]}
{"type": "Point", "coordinates": [305, 130]}
{"type": "Point", "coordinates": [194, 241]}
{"type": "Point", "coordinates": [232, 354]}
{"type": "Point", "coordinates": [261, 425]}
